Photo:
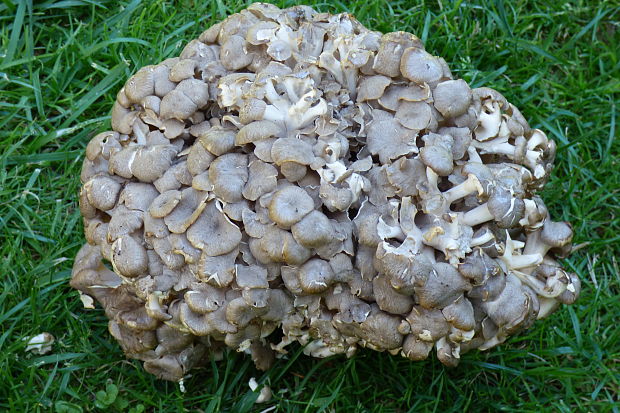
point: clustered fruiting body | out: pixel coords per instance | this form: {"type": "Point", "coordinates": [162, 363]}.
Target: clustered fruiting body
{"type": "Point", "coordinates": [293, 170]}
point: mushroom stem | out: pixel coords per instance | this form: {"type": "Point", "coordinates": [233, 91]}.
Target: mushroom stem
{"type": "Point", "coordinates": [290, 89]}
{"type": "Point", "coordinates": [351, 79]}
{"type": "Point", "coordinates": [474, 156]}
{"type": "Point", "coordinates": [525, 261]}
{"type": "Point", "coordinates": [478, 215]}
{"type": "Point", "coordinates": [470, 185]}
{"type": "Point", "coordinates": [535, 245]}
{"type": "Point", "coordinates": [301, 113]}
{"type": "Point", "coordinates": [481, 239]}
{"type": "Point", "coordinates": [273, 114]}
{"type": "Point", "coordinates": [531, 159]}
{"type": "Point", "coordinates": [553, 288]}
{"type": "Point", "coordinates": [547, 306]}
{"type": "Point", "coordinates": [537, 139]}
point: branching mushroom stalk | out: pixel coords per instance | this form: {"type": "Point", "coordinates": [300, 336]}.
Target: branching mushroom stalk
{"type": "Point", "coordinates": [298, 110]}
{"type": "Point", "coordinates": [295, 171]}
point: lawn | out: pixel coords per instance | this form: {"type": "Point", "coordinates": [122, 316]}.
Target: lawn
{"type": "Point", "coordinates": [61, 64]}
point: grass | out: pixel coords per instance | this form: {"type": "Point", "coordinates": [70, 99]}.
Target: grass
{"type": "Point", "coordinates": [61, 63]}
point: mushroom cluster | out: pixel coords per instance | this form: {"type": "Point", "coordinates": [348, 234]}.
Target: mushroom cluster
{"type": "Point", "coordinates": [295, 171]}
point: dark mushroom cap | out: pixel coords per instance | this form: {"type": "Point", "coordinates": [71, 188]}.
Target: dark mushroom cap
{"type": "Point", "coordinates": [556, 234]}
{"type": "Point", "coordinates": [506, 209]}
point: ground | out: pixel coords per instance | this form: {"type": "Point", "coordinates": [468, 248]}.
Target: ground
{"type": "Point", "coordinates": [61, 63]}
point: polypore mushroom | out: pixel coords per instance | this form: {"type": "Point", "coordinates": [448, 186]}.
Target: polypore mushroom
{"type": "Point", "coordinates": [294, 170]}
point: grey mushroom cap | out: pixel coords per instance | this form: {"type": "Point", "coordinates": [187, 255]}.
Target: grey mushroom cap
{"type": "Point", "coordinates": [442, 287]}
{"type": "Point", "coordinates": [190, 205]}
{"type": "Point", "coordinates": [129, 257]}
{"type": "Point", "coordinates": [438, 158]}
{"type": "Point", "coordinates": [229, 174]}
{"type": "Point", "coordinates": [372, 87]}
{"type": "Point", "coordinates": [102, 192]}
{"type": "Point", "coordinates": [388, 58]}
{"type": "Point", "coordinates": [414, 115]}
{"type": "Point", "coordinates": [419, 66]}
{"type": "Point", "coordinates": [460, 314]}
{"type": "Point", "coordinates": [217, 271]}
{"type": "Point", "coordinates": [416, 349]}
{"type": "Point", "coordinates": [556, 234]}
{"type": "Point", "coordinates": [314, 230]}
{"type": "Point", "coordinates": [506, 210]}
{"type": "Point", "coordinates": [315, 276]}
{"type": "Point", "coordinates": [176, 105]}
{"type": "Point", "coordinates": [289, 205]}
{"type": "Point", "coordinates": [390, 299]}
{"type": "Point", "coordinates": [262, 179]}
{"type": "Point", "coordinates": [452, 97]}
{"type": "Point", "coordinates": [164, 203]}
{"type": "Point", "coordinates": [218, 140]}
{"type": "Point", "coordinates": [213, 232]}
{"type": "Point", "coordinates": [150, 163]}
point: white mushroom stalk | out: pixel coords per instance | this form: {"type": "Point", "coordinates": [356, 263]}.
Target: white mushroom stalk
{"type": "Point", "coordinates": [295, 171]}
{"type": "Point", "coordinates": [294, 111]}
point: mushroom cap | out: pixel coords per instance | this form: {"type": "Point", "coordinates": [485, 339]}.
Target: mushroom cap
{"type": "Point", "coordinates": [213, 232]}
{"type": "Point", "coordinates": [165, 368]}
{"type": "Point", "coordinates": [218, 140]}
{"type": "Point", "coordinates": [391, 48]}
{"type": "Point", "coordinates": [314, 230]}
{"type": "Point", "coordinates": [416, 349]}
{"type": "Point", "coordinates": [229, 174]}
{"type": "Point", "coordinates": [556, 234]}
{"type": "Point", "coordinates": [233, 53]}
{"type": "Point", "coordinates": [372, 87]}
{"type": "Point", "coordinates": [289, 205]}
{"type": "Point", "coordinates": [291, 150]}
{"type": "Point", "coordinates": [380, 330]}
{"type": "Point", "coordinates": [137, 196]}
{"type": "Point", "coordinates": [256, 131]}
{"type": "Point", "coordinates": [389, 299]}
{"type": "Point", "coordinates": [414, 115]}
{"type": "Point", "coordinates": [252, 276]}
{"type": "Point", "coordinates": [123, 222]}
{"type": "Point", "coordinates": [506, 209]}
{"type": "Point", "coordinates": [205, 300]}
{"type": "Point", "coordinates": [315, 276]}
{"type": "Point", "coordinates": [442, 287]}
{"type": "Point", "coordinates": [516, 307]}
{"type": "Point", "coordinates": [217, 271]}
{"type": "Point", "coordinates": [438, 158]}
{"type": "Point", "coordinates": [460, 314]}
{"type": "Point", "coordinates": [199, 159]}
{"type": "Point", "coordinates": [176, 105]}
{"type": "Point", "coordinates": [129, 257]}
{"type": "Point", "coordinates": [164, 203]}
{"type": "Point", "coordinates": [452, 97]}
{"type": "Point", "coordinates": [388, 138]}
{"type": "Point", "coordinates": [151, 162]}
{"type": "Point", "coordinates": [102, 192]}
{"type": "Point", "coordinates": [190, 205]}
{"type": "Point", "coordinates": [428, 325]}
{"type": "Point", "coordinates": [196, 323]}
{"type": "Point", "coordinates": [419, 66]}
{"type": "Point", "coordinates": [396, 93]}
